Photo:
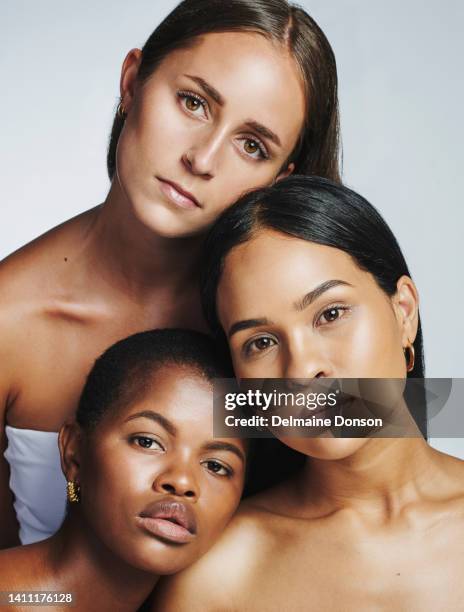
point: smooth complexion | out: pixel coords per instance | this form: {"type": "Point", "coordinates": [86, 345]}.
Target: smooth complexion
{"type": "Point", "coordinates": [157, 453]}
{"type": "Point", "coordinates": [201, 125]}
{"type": "Point", "coordinates": [214, 121]}
{"type": "Point", "coordinates": [368, 524]}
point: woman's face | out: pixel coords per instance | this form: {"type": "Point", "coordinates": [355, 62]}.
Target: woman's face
{"type": "Point", "coordinates": [296, 309]}
{"type": "Point", "coordinates": [156, 487]}
{"type": "Point", "coordinates": [215, 120]}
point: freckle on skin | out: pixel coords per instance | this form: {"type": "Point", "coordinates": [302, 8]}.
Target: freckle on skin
{"type": "Point", "coordinates": [66, 259]}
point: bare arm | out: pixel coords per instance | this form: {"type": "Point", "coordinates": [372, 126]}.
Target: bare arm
{"type": "Point", "coordinates": [8, 525]}
{"type": "Point", "coordinates": [9, 348]}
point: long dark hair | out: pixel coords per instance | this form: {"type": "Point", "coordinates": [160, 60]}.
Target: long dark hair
{"type": "Point", "coordinates": [316, 210]}
{"type": "Point", "coordinates": [317, 150]}
{"type": "Point", "coordinates": [324, 212]}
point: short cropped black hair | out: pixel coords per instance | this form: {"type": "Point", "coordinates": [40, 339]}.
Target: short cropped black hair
{"type": "Point", "coordinates": [125, 370]}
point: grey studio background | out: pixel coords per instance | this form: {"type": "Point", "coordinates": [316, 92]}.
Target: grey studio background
{"type": "Point", "coordinates": [401, 96]}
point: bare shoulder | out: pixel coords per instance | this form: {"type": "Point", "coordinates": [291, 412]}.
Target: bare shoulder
{"type": "Point", "coordinates": [28, 271]}
{"type": "Point", "coordinates": [16, 567]}
{"type": "Point", "coordinates": [217, 581]}
{"type": "Point", "coordinates": [31, 288]}
{"type": "Point", "coordinates": [452, 472]}
{"type": "Point", "coordinates": [30, 277]}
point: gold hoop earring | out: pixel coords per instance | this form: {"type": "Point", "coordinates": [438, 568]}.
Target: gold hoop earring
{"type": "Point", "coordinates": [121, 111]}
{"type": "Point", "coordinates": [73, 491]}
{"type": "Point", "coordinates": [410, 357]}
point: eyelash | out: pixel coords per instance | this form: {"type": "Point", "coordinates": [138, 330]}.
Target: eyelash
{"type": "Point", "coordinates": [264, 155]}
{"type": "Point", "coordinates": [247, 349]}
{"type": "Point", "coordinates": [136, 440]}
{"type": "Point", "coordinates": [185, 95]}
{"type": "Point", "coordinates": [228, 471]}
{"type": "Point", "coordinates": [326, 309]}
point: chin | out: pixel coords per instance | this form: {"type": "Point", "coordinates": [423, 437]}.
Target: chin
{"type": "Point", "coordinates": [156, 557]}
{"type": "Point", "coordinates": [165, 223]}
{"type": "Point", "coordinates": [170, 562]}
{"type": "Point", "coordinates": [328, 449]}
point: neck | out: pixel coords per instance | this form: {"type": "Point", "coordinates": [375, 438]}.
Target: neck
{"type": "Point", "coordinates": [82, 565]}
{"type": "Point", "coordinates": [121, 247]}
{"type": "Point", "coordinates": [381, 479]}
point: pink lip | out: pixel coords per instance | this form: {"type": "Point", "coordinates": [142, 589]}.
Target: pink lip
{"type": "Point", "coordinates": [179, 196]}
{"type": "Point", "coordinates": [170, 520]}
{"type": "Point", "coordinates": [165, 529]}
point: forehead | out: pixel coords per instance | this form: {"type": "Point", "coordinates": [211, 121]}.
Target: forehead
{"type": "Point", "coordinates": [179, 393]}
{"type": "Point", "coordinates": [275, 270]}
{"type": "Point", "coordinates": [256, 76]}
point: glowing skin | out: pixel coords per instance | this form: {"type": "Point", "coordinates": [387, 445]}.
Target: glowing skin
{"type": "Point", "coordinates": [131, 461]}
{"type": "Point", "coordinates": [349, 328]}
{"type": "Point", "coordinates": [131, 263]}
{"type": "Point", "coordinates": [140, 461]}
{"type": "Point", "coordinates": [367, 524]}
{"type": "Point", "coordinates": [179, 131]}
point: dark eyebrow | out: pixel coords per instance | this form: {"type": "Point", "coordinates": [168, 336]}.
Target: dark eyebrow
{"type": "Point", "coordinates": [317, 292]}
{"type": "Point", "coordinates": [300, 305]}
{"type": "Point", "coordinates": [246, 324]}
{"type": "Point", "coordinates": [264, 131]}
{"type": "Point", "coordinates": [157, 417]}
{"type": "Point", "coordinates": [225, 446]}
{"type": "Point", "coordinates": [208, 89]}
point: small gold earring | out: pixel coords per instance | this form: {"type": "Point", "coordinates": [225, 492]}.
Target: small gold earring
{"type": "Point", "coordinates": [121, 111]}
{"type": "Point", "coordinates": [73, 491]}
{"type": "Point", "coordinates": [410, 357]}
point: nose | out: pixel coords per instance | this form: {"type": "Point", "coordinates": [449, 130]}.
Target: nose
{"type": "Point", "coordinates": [178, 480]}
{"type": "Point", "coordinates": [306, 360]}
{"type": "Point", "coordinates": [201, 158]}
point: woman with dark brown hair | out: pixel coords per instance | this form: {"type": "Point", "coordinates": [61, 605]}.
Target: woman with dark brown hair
{"type": "Point", "coordinates": [224, 97]}
{"type": "Point", "coordinates": [307, 282]}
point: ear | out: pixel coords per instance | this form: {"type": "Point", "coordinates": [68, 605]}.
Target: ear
{"type": "Point", "coordinates": [129, 71]}
{"type": "Point", "coordinates": [69, 442]}
{"type": "Point", "coordinates": [285, 173]}
{"type": "Point", "coordinates": [406, 306]}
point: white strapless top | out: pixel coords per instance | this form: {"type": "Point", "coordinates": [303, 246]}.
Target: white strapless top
{"type": "Point", "coordinates": [37, 482]}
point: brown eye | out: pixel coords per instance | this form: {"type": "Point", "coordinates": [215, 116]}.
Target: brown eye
{"type": "Point", "coordinates": [259, 345]}
{"type": "Point", "coordinates": [263, 343]}
{"type": "Point", "coordinates": [192, 104]}
{"type": "Point", "coordinates": [217, 468]}
{"type": "Point", "coordinates": [251, 147]}
{"type": "Point", "coordinates": [332, 314]}
{"type": "Point", "coordinates": [147, 443]}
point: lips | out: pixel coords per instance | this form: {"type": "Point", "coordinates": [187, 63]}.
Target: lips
{"type": "Point", "coordinates": [178, 195]}
{"type": "Point", "coordinates": [169, 520]}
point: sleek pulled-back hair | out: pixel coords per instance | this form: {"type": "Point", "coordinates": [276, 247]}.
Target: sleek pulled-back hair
{"type": "Point", "coordinates": [125, 370]}
{"type": "Point", "coordinates": [317, 150]}
{"type": "Point", "coordinates": [316, 210]}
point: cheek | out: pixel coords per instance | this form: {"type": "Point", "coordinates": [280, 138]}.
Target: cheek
{"type": "Point", "coordinates": [153, 129]}
{"type": "Point", "coordinates": [236, 176]}
{"type": "Point", "coordinates": [266, 366]}
{"type": "Point", "coordinates": [111, 489]}
{"type": "Point", "coordinates": [374, 344]}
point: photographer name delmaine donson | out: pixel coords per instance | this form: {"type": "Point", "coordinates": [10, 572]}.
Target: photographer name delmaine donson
{"type": "Point", "coordinates": [320, 402]}
{"type": "Point", "coordinates": [311, 421]}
